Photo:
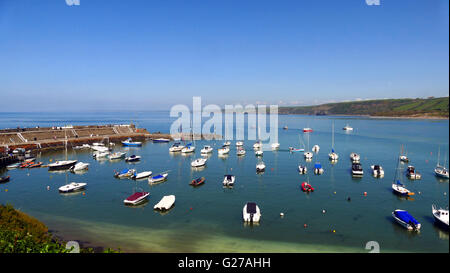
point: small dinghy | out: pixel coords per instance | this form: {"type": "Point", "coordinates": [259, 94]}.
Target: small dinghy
{"type": "Point", "coordinates": [302, 169]}
{"type": "Point", "coordinates": [406, 220]}
{"type": "Point", "coordinates": [197, 182]}
{"type": "Point", "coordinates": [124, 173]}
{"type": "Point", "coordinates": [316, 148]}
{"type": "Point", "coordinates": [133, 158]}
{"type": "Point", "coordinates": [71, 187]}
{"type": "Point", "coordinates": [157, 178]}
{"type": "Point", "coordinates": [354, 157]}
{"type": "Point", "coordinates": [141, 175]}
{"type": "Point", "coordinates": [117, 155]}
{"type": "Point", "coordinates": [79, 166]}
{"type": "Point", "coordinates": [165, 203]}
{"type": "Point", "coordinates": [306, 187]}
{"type": "Point", "coordinates": [377, 170]}
{"type": "Point", "coordinates": [136, 198]}
{"type": "Point", "coordinates": [228, 180]}
{"type": "Point", "coordinates": [411, 173]}
{"type": "Point", "coordinates": [34, 165]}
{"type": "Point", "coordinates": [357, 170]}
{"type": "Point", "coordinates": [251, 213]}
{"type": "Point", "coordinates": [176, 147]}
{"type": "Point", "coordinates": [440, 216]}
{"type": "Point", "coordinates": [318, 168]}
{"type": "Point", "coordinates": [4, 179]}
{"type": "Point", "coordinates": [130, 143]}
{"type": "Point", "coordinates": [400, 189]}
{"type": "Point", "coordinates": [206, 149]}
{"type": "Point", "coordinates": [404, 158]}
{"type": "Point", "coordinates": [260, 167]}
{"type": "Point", "coordinates": [199, 162]}
{"type": "Point", "coordinates": [13, 166]}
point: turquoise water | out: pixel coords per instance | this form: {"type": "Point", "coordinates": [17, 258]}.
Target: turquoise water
{"type": "Point", "coordinates": [209, 218]}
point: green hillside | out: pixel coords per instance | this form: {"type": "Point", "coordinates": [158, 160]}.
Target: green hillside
{"type": "Point", "coordinates": [430, 107]}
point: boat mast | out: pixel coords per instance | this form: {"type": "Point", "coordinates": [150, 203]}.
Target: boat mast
{"type": "Point", "coordinates": [332, 138]}
{"type": "Point", "coordinates": [439, 154]}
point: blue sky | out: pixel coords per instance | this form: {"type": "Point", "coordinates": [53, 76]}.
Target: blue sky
{"type": "Point", "coordinates": [145, 55]}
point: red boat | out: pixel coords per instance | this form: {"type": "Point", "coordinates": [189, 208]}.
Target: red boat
{"type": "Point", "coordinates": [306, 187]}
{"type": "Point", "coordinates": [197, 182]}
{"type": "Point", "coordinates": [26, 164]}
{"type": "Point", "coordinates": [35, 165]}
{"type": "Point", "coordinates": [136, 198]}
{"type": "Point", "coordinates": [307, 130]}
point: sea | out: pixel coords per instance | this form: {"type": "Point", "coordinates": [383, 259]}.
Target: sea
{"type": "Point", "coordinates": [343, 214]}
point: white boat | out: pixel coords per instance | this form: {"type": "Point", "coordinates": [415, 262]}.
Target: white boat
{"type": "Point", "coordinates": [316, 148]}
{"type": "Point", "coordinates": [98, 155]}
{"type": "Point", "coordinates": [206, 149]}
{"type": "Point", "coordinates": [318, 168]}
{"type": "Point", "coordinates": [333, 156]}
{"type": "Point", "coordinates": [258, 152]}
{"type": "Point", "coordinates": [308, 155]}
{"type": "Point", "coordinates": [157, 178]}
{"type": "Point", "coordinates": [440, 216]}
{"type": "Point", "coordinates": [227, 143]}
{"type": "Point", "coordinates": [117, 155]}
{"type": "Point", "coordinates": [347, 128]}
{"type": "Point", "coordinates": [100, 149]}
{"type": "Point", "coordinates": [403, 157]}
{"type": "Point", "coordinates": [133, 158]}
{"type": "Point", "coordinates": [239, 143]}
{"type": "Point", "coordinates": [84, 146]}
{"type": "Point", "coordinates": [61, 164]}
{"type": "Point", "coordinates": [176, 147]}
{"type": "Point", "coordinates": [406, 220]}
{"type": "Point", "coordinates": [136, 198]}
{"type": "Point", "coordinates": [400, 189]}
{"type": "Point", "coordinates": [199, 162]}
{"type": "Point", "coordinates": [260, 167]}
{"type": "Point", "coordinates": [228, 180]}
{"type": "Point", "coordinates": [79, 166]}
{"type": "Point", "coordinates": [302, 169]}
{"type": "Point", "coordinates": [441, 171]}
{"type": "Point", "coordinates": [224, 150]}
{"type": "Point", "coordinates": [411, 173]}
{"type": "Point", "coordinates": [71, 187]}
{"type": "Point", "coordinates": [165, 203]}
{"type": "Point", "coordinates": [257, 145]}
{"type": "Point", "coordinates": [188, 149]}
{"type": "Point", "coordinates": [377, 170]}
{"type": "Point", "coordinates": [251, 213]}
{"type": "Point", "coordinates": [357, 170]}
{"type": "Point", "coordinates": [125, 173]}
{"type": "Point", "coordinates": [161, 140]}
{"type": "Point", "coordinates": [275, 145]}
{"type": "Point", "coordinates": [13, 166]}
{"type": "Point", "coordinates": [240, 151]}
{"type": "Point", "coordinates": [131, 143]}
{"type": "Point", "coordinates": [141, 175]}
{"type": "Point", "coordinates": [354, 157]}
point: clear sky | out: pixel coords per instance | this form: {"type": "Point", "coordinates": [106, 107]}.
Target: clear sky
{"type": "Point", "coordinates": [152, 54]}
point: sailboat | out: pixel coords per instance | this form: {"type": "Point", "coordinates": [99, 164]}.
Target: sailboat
{"type": "Point", "coordinates": [333, 155]}
{"type": "Point", "coordinates": [73, 186]}
{"type": "Point", "coordinates": [62, 164]}
{"type": "Point", "coordinates": [260, 167]}
{"type": "Point", "coordinates": [403, 157]}
{"type": "Point", "coordinates": [441, 171]}
{"type": "Point", "coordinates": [189, 148]}
{"type": "Point", "coordinates": [293, 150]}
{"type": "Point", "coordinates": [397, 185]}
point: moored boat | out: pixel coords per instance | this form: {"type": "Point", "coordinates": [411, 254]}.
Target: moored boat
{"type": "Point", "coordinates": [136, 198]}
{"type": "Point", "coordinates": [176, 147]}
{"type": "Point", "coordinates": [377, 170]}
{"type": "Point", "coordinates": [440, 216]}
{"type": "Point", "coordinates": [133, 158]}
{"type": "Point", "coordinates": [411, 173]}
{"type": "Point", "coordinates": [302, 169]}
{"type": "Point", "coordinates": [197, 182]}
{"type": "Point", "coordinates": [240, 151]}
{"type": "Point", "coordinates": [347, 128]}
{"type": "Point", "coordinates": [5, 179]}
{"type": "Point", "coordinates": [71, 187]}
{"type": "Point", "coordinates": [130, 143]}
{"type": "Point", "coordinates": [354, 157]}
{"type": "Point", "coordinates": [223, 150]}
{"type": "Point", "coordinates": [251, 213]}
{"type": "Point", "coordinates": [307, 130]}
{"type": "Point", "coordinates": [61, 165]}
{"type": "Point", "coordinates": [141, 175]}
{"type": "Point", "coordinates": [357, 170]}
{"type": "Point", "coordinates": [117, 155]}
{"type": "Point", "coordinates": [206, 149]}
{"type": "Point", "coordinates": [316, 148]}
{"type": "Point", "coordinates": [306, 187]}
{"type": "Point", "coordinates": [199, 162]}
{"type": "Point", "coordinates": [161, 140]}
{"type": "Point", "coordinates": [406, 220]}
{"type": "Point", "coordinates": [400, 189]}
{"type": "Point", "coordinates": [79, 166]}
{"type": "Point", "coordinates": [124, 173]}
{"type": "Point", "coordinates": [157, 178]}
{"type": "Point", "coordinates": [318, 168]}
{"type": "Point", "coordinates": [260, 167]}
{"type": "Point", "coordinates": [13, 166]}
{"type": "Point", "coordinates": [165, 203]}
{"type": "Point", "coordinates": [228, 180]}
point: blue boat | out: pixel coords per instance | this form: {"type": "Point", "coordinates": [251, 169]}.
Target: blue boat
{"type": "Point", "coordinates": [406, 220]}
{"type": "Point", "coordinates": [131, 143]}
{"type": "Point", "coordinates": [161, 140]}
{"type": "Point", "coordinates": [318, 168]}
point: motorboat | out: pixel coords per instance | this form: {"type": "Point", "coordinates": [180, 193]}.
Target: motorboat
{"type": "Point", "coordinates": [157, 178]}
{"type": "Point", "coordinates": [318, 168]}
{"type": "Point", "coordinates": [306, 187]}
{"type": "Point", "coordinates": [354, 157]}
{"type": "Point", "coordinates": [13, 166]}
{"type": "Point", "coordinates": [239, 143]}
{"type": "Point", "coordinates": [117, 155]}
{"type": "Point", "coordinates": [197, 182]}
{"type": "Point", "coordinates": [258, 152]}
{"type": "Point", "coordinates": [61, 165]}
{"type": "Point", "coordinates": [141, 175]}
{"type": "Point", "coordinates": [223, 150]}
{"type": "Point", "coordinates": [295, 150]}
{"type": "Point", "coordinates": [357, 170]}
{"type": "Point", "coordinates": [189, 148]}
{"type": "Point", "coordinates": [307, 130]}
{"type": "Point", "coordinates": [240, 151]}
{"type": "Point", "coordinates": [228, 180]}
{"type": "Point", "coordinates": [411, 173]}
{"type": "Point", "coordinates": [406, 220]}
{"type": "Point", "coordinates": [400, 189]}
{"type": "Point", "coordinates": [130, 143]}
{"type": "Point", "coordinates": [136, 198]}
{"type": "Point", "coordinates": [206, 149]}
{"type": "Point", "coordinates": [316, 148]}
{"type": "Point", "coordinates": [257, 145]}
{"type": "Point", "coordinates": [227, 143]}
{"type": "Point", "coordinates": [5, 179]}
{"type": "Point", "coordinates": [377, 170]}
{"type": "Point", "coordinates": [98, 155]}
{"type": "Point", "coordinates": [251, 213]}
{"type": "Point", "coordinates": [440, 216]}
{"type": "Point", "coordinates": [199, 162]}
{"type": "Point", "coordinates": [347, 128]}
{"type": "Point", "coordinates": [404, 158]}
{"type": "Point", "coordinates": [133, 158]}
{"type": "Point", "coordinates": [100, 149]}
{"type": "Point", "coordinates": [275, 146]}
{"type": "Point", "coordinates": [308, 155]}
{"type": "Point", "coordinates": [165, 203]}
{"type": "Point", "coordinates": [176, 147]}
{"type": "Point", "coordinates": [79, 166]}
{"type": "Point", "coordinates": [124, 173]}
{"type": "Point", "coordinates": [260, 167]}
{"type": "Point", "coordinates": [302, 169]}
{"type": "Point", "coordinates": [71, 187]}
{"type": "Point", "coordinates": [84, 146]}
{"type": "Point", "coordinates": [285, 127]}
{"type": "Point", "coordinates": [161, 140]}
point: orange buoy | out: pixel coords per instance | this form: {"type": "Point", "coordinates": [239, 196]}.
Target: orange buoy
{"type": "Point", "coordinates": [305, 225]}
{"type": "Point", "coordinates": [365, 193]}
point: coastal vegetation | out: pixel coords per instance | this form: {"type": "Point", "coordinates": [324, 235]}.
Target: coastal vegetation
{"type": "Point", "coordinates": [21, 233]}
{"type": "Point", "coordinates": [429, 107]}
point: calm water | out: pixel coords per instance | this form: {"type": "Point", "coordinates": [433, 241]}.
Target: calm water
{"type": "Point", "coordinates": [209, 218]}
